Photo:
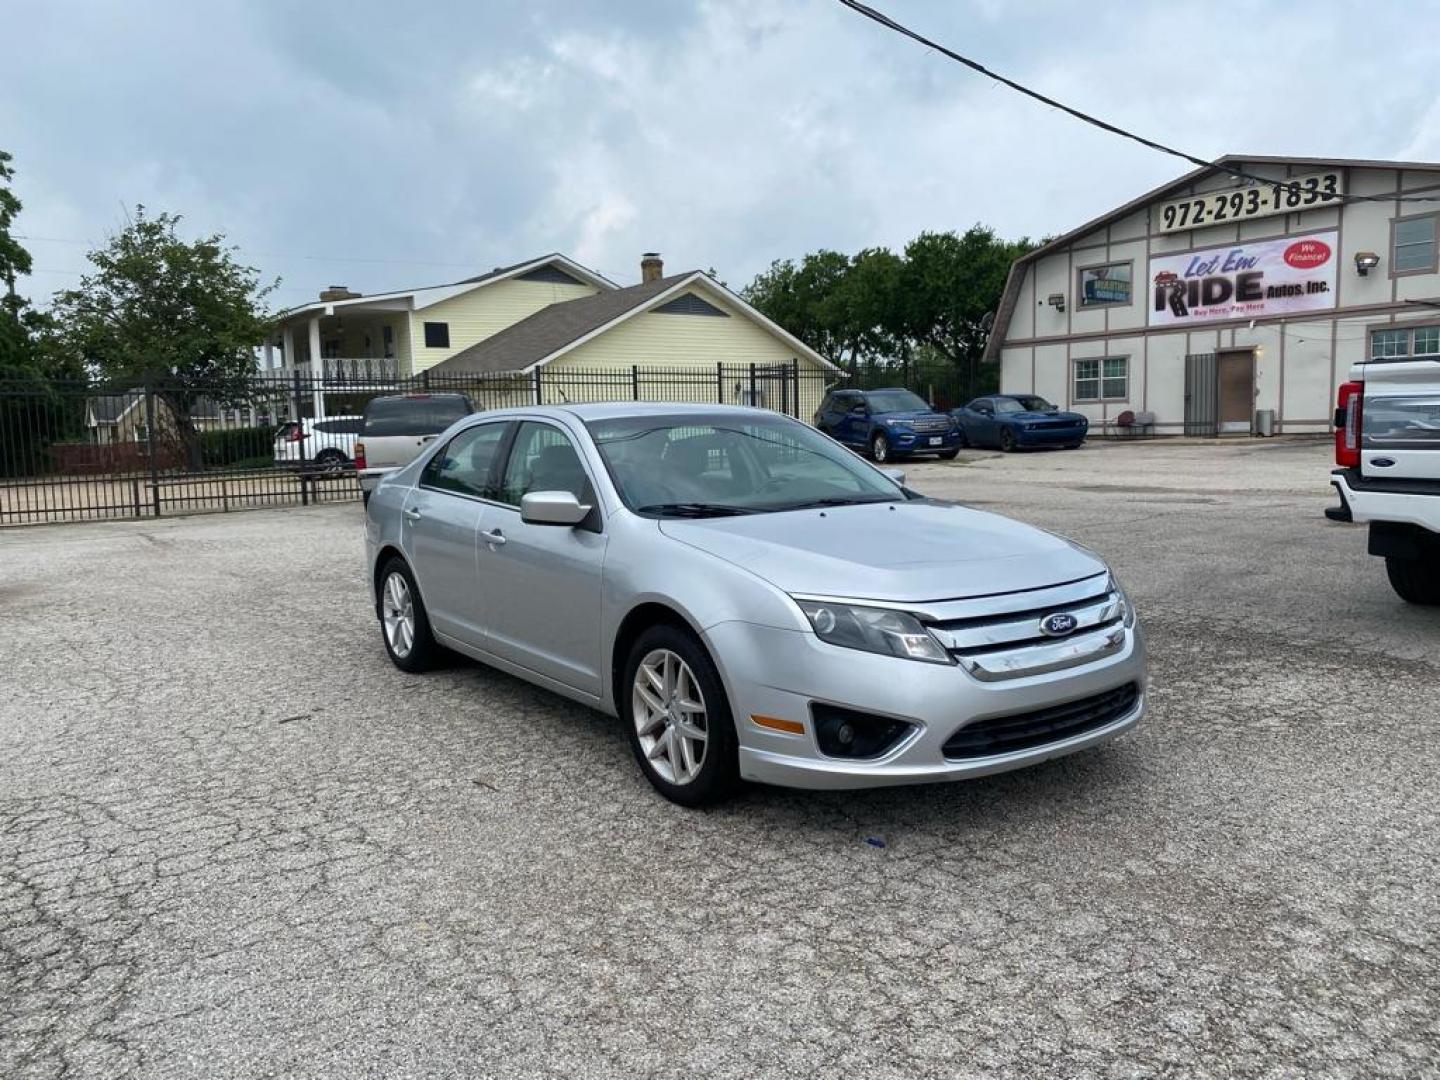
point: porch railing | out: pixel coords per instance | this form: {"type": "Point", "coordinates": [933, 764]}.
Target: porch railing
{"type": "Point", "coordinates": [346, 369]}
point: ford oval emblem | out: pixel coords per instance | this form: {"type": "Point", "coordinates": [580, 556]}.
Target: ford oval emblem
{"type": "Point", "coordinates": [1058, 625]}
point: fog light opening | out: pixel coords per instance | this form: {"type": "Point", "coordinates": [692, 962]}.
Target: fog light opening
{"type": "Point", "coordinates": [847, 733]}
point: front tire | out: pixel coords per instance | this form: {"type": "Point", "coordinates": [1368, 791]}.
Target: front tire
{"type": "Point", "coordinates": [1007, 440]}
{"type": "Point", "coordinates": [1415, 581]}
{"type": "Point", "coordinates": [949, 455]}
{"type": "Point", "coordinates": [404, 626]}
{"type": "Point", "coordinates": [678, 718]}
{"type": "Point", "coordinates": [880, 448]}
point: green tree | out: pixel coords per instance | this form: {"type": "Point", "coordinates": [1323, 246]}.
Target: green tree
{"type": "Point", "coordinates": [34, 410]}
{"type": "Point", "coordinates": [802, 299]}
{"type": "Point", "coordinates": [14, 259]}
{"type": "Point", "coordinates": [951, 282]}
{"type": "Point", "coordinates": [182, 314]}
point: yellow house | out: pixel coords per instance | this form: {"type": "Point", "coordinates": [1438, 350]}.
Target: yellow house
{"type": "Point", "coordinates": [588, 334]}
{"type": "Point", "coordinates": [345, 335]}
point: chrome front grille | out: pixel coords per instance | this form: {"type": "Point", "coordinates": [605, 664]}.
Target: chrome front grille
{"type": "Point", "coordinates": [1001, 637]}
{"type": "Point", "coordinates": [932, 425]}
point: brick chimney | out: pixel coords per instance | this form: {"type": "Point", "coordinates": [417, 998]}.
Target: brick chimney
{"type": "Point", "coordinates": [651, 267]}
{"type": "Point", "coordinates": [338, 292]}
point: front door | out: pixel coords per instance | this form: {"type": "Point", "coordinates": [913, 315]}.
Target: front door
{"type": "Point", "coordinates": [542, 582]}
{"type": "Point", "coordinates": [1235, 372]}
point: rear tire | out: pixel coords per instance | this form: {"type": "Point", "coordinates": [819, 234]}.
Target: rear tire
{"type": "Point", "coordinates": [331, 462]}
{"type": "Point", "coordinates": [404, 626]}
{"type": "Point", "coordinates": [717, 774]}
{"type": "Point", "coordinates": [1416, 581]}
{"type": "Point", "coordinates": [880, 448]}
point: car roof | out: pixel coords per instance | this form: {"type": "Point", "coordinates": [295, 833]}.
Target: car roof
{"type": "Point", "coordinates": [619, 410]}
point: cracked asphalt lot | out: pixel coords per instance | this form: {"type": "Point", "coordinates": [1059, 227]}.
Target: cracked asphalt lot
{"type": "Point", "coordinates": [234, 841]}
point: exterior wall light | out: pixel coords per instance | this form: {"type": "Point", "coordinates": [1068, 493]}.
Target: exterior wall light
{"type": "Point", "coordinates": [1365, 261]}
{"type": "Point", "coordinates": [1056, 300]}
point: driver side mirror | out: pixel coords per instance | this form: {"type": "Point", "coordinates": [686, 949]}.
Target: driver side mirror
{"type": "Point", "coordinates": [898, 475]}
{"type": "Point", "coordinates": [860, 410]}
{"type": "Point", "coordinates": [552, 508]}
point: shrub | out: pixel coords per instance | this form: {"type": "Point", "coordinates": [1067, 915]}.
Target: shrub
{"type": "Point", "coordinates": [234, 447]}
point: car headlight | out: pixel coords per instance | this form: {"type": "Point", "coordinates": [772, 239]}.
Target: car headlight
{"type": "Point", "coordinates": [877, 630]}
{"type": "Point", "coordinates": [1127, 612]}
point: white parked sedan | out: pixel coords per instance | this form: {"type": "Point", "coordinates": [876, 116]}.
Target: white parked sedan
{"type": "Point", "coordinates": [751, 599]}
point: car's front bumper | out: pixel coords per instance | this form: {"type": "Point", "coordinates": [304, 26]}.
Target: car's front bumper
{"type": "Point", "coordinates": [772, 673]}
{"type": "Point", "coordinates": [1056, 436]}
{"type": "Point", "coordinates": [922, 442]}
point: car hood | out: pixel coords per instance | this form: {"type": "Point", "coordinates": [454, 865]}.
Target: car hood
{"type": "Point", "coordinates": [1028, 417]}
{"type": "Point", "coordinates": [900, 552]}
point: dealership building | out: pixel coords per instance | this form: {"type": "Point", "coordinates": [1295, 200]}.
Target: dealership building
{"type": "Point", "coordinates": [1230, 301]}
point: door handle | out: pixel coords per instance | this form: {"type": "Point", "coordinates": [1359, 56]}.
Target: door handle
{"type": "Point", "coordinates": [494, 538]}
{"type": "Point", "coordinates": [411, 514]}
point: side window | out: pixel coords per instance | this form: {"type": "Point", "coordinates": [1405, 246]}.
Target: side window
{"type": "Point", "coordinates": [465, 465]}
{"type": "Point", "coordinates": [542, 458]}
{"type": "Point", "coordinates": [437, 335]}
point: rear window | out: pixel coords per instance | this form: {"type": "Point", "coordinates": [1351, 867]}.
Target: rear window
{"type": "Point", "coordinates": [349, 426]}
{"type": "Point", "coordinates": [425, 414]}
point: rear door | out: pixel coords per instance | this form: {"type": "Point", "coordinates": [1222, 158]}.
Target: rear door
{"type": "Point", "coordinates": [444, 515]}
{"type": "Point", "coordinates": [1400, 426]}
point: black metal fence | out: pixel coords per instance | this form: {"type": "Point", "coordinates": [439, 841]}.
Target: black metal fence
{"type": "Point", "coordinates": [91, 450]}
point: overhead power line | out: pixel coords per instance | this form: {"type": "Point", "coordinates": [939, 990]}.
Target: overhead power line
{"type": "Point", "coordinates": [1104, 125]}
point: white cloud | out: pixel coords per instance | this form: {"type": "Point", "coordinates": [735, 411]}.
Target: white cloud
{"type": "Point", "coordinates": [722, 133]}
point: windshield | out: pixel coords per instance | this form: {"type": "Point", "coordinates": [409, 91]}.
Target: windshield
{"type": "Point", "coordinates": [883, 401]}
{"type": "Point", "coordinates": [1023, 403]}
{"type": "Point", "coordinates": [709, 466]}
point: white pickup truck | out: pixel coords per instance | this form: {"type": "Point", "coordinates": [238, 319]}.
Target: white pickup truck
{"type": "Point", "coordinates": [1387, 449]}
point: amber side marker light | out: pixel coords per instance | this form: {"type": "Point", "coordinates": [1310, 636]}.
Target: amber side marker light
{"type": "Point", "coordinates": [774, 723]}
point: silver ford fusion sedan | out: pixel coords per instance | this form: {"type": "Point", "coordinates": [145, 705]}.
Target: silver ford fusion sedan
{"type": "Point", "coordinates": [750, 598]}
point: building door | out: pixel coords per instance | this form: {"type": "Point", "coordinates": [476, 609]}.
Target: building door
{"type": "Point", "coordinates": [1200, 405]}
{"type": "Point", "coordinates": [1235, 381]}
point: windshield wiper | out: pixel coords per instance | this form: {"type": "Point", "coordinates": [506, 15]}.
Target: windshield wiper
{"type": "Point", "coordinates": [694, 509]}
{"type": "Point", "coordinates": [836, 500]}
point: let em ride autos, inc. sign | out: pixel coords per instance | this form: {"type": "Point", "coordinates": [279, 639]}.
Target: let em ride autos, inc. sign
{"type": "Point", "coordinates": [1257, 200]}
{"type": "Point", "coordinates": [1244, 281]}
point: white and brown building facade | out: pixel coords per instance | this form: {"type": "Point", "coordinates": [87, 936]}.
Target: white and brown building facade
{"type": "Point", "coordinates": [1235, 296]}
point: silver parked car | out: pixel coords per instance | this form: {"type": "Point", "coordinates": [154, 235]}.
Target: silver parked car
{"type": "Point", "coordinates": [753, 600]}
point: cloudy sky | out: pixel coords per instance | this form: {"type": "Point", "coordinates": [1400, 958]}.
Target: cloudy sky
{"type": "Point", "coordinates": [383, 144]}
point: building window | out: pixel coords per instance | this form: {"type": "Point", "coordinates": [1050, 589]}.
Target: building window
{"type": "Point", "coordinates": [690, 304]}
{"type": "Point", "coordinates": [1413, 245]}
{"type": "Point", "coordinates": [1103, 286]}
{"type": "Point", "coordinates": [437, 335]}
{"type": "Point", "coordinates": [1403, 342]}
{"type": "Point", "coordinates": [1104, 379]}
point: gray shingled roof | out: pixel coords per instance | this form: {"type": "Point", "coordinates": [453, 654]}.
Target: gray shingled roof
{"type": "Point", "coordinates": [532, 339]}
{"type": "Point", "coordinates": [108, 408]}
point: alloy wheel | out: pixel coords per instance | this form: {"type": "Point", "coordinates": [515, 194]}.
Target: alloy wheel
{"type": "Point", "coordinates": [669, 713]}
{"type": "Point", "coordinates": [880, 448]}
{"type": "Point", "coordinates": [397, 614]}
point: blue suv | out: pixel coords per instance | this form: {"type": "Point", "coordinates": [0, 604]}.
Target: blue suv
{"type": "Point", "coordinates": [889, 423]}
